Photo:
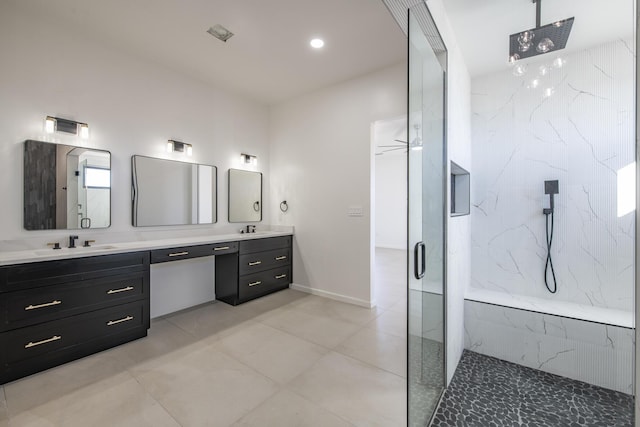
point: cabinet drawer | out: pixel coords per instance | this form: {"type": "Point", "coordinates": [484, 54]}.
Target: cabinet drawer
{"type": "Point", "coordinates": [258, 284]}
{"type": "Point", "coordinates": [223, 248]}
{"type": "Point", "coordinates": [59, 335]}
{"type": "Point", "coordinates": [35, 305]}
{"type": "Point", "coordinates": [261, 261]}
{"type": "Point", "coordinates": [22, 276]}
{"type": "Point", "coordinates": [258, 245]}
{"type": "Point", "coordinates": [176, 254]}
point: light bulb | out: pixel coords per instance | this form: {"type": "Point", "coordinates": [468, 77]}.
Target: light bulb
{"type": "Point", "coordinates": [519, 70]}
{"type": "Point", "coordinates": [543, 70]}
{"type": "Point", "coordinates": [545, 45]}
{"type": "Point", "coordinates": [513, 58]}
{"type": "Point", "coordinates": [84, 131]}
{"type": "Point", "coordinates": [525, 40]}
{"type": "Point", "coordinates": [49, 125]}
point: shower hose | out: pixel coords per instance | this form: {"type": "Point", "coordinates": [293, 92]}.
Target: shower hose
{"type": "Point", "coordinates": [549, 264]}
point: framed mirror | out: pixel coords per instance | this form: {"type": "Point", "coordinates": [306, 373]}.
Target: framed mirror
{"type": "Point", "coordinates": [66, 187]}
{"type": "Point", "coordinates": [245, 196]}
{"type": "Point", "coordinates": [169, 192]}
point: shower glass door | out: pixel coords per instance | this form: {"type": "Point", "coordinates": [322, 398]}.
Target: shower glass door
{"type": "Point", "coordinates": [426, 181]}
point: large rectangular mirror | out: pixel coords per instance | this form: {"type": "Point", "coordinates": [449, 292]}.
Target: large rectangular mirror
{"type": "Point", "coordinates": [245, 196]}
{"type": "Point", "coordinates": [168, 192]}
{"type": "Point", "coordinates": [66, 187]}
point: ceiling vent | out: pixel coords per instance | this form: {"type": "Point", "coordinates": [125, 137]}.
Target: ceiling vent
{"type": "Point", "coordinates": [220, 32]}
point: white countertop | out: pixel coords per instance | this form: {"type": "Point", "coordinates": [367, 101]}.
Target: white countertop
{"type": "Point", "coordinates": [48, 254]}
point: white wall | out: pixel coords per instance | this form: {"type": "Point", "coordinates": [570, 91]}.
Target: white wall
{"type": "Point", "coordinates": [321, 160]}
{"type": "Point", "coordinates": [581, 135]}
{"type": "Point", "coordinates": [459, 151]}
{"type": "Point", "coordinates": [133, 106]}
{"type": "Point", "coordinates": [391, 201]}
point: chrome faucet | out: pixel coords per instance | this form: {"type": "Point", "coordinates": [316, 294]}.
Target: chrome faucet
{"type": "Point", "coordinates": [72, 241]}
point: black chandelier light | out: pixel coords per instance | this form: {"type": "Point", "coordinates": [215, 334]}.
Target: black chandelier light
{"type": "Point", "coordinates": [541, 39]}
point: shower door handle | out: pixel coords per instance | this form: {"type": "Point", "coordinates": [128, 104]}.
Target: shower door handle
{"type": "Point", "coordinates": [418, 271]}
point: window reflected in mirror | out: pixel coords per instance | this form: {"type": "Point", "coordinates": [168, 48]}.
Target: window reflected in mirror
{"type": "Point", "coordinates": [66, 187]}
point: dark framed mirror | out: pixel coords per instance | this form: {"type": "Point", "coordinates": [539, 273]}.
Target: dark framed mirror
{"type": "Point", "coordinates": [169, 192]}
{"type": "Point", "coordinates": [66, 187]}
{"type": "Point", "coordinates": [245, 196]}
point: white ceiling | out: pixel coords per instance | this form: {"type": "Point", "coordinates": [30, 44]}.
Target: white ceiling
{"type": "Point", "coordinates": [482, 27]}
{"type": "Point", "coordinates": [268, 59]}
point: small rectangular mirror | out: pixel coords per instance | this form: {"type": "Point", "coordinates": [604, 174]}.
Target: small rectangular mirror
{"type": "Point", "coordinates": [66, 187]}
{"type": "Point", "coordinates": [168, 192]}
{"type": "Point", "coordinates": [245, 196]}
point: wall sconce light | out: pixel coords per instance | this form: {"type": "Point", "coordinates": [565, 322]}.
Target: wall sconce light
{"type": "Point", "coordinates": [179, 147]}
{"type": "Point", "coordinates": [56, 124]}
{"type": "Point", "coordinates": [248, 159]}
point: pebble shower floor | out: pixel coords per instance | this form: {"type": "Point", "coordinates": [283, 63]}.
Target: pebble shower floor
{"type": "Point", "coordinates": [489, 392]}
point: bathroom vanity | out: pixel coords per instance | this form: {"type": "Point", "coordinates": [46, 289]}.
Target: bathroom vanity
{"type": "Point", "coordinates": [60, 305]}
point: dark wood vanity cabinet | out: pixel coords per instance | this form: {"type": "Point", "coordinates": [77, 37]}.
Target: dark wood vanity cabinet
{"type": "Point", "coordinates": [53, 312]}
{"type": "Point", "coordinates": [260, 267]}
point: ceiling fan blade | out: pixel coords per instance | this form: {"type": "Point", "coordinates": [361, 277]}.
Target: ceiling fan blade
{"type": "Point", "coordinates": [394, 149]}
{"type": "Point", "coordinates": [399, 140]}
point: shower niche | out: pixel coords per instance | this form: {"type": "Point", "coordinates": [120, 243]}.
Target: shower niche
{"type": "Point", "coordinates": [460, 183]}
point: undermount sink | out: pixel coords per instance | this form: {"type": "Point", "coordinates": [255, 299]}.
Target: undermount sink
{"type": "Point", "coordinates": [78, 249]}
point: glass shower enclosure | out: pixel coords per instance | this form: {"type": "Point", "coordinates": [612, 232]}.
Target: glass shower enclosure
{"type": "Point", "coordinates": [426, 153]}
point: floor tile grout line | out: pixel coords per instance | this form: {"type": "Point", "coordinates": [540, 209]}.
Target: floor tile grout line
{"type": "Point", "coordinates": [290, 390]}
{"type": "Point", "coordinates": [157, 401]}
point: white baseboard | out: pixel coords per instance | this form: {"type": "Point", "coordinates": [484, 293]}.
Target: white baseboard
{"type": "Point", "coordinates": [333, 295]}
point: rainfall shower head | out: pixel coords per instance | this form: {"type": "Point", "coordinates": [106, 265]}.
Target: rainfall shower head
{"type": "Point", "coordinates": [541, 39]}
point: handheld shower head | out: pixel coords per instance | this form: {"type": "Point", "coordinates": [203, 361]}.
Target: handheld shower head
{"type": "Point", "coordinates": [550, 188]}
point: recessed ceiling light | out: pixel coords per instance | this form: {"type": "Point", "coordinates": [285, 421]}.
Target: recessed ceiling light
{"type": "Point", "coordinates": [316, 43]}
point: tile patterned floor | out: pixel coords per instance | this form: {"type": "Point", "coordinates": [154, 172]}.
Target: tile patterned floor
{"type": "Point", "coordinates": [487, 392]}
{"type": "Point", "coordinates": [289, 359]}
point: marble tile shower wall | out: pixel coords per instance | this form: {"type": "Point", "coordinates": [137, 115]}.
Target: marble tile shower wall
{"type": "Point", "coordinates": [594, 353]}
{"type": "Point", "coordinates": [573, 123]}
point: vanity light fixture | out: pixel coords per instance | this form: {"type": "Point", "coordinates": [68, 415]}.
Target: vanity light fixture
{"type": "Point", "coordinates": [179, 147]}
{"type": "Point", "coordinates": [56, 124]}
{"type": "Point", "coordinates": [248, 159]}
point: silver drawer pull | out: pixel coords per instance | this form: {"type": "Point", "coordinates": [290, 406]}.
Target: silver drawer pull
{"type": "Point", "coordinates": [255, 263]}
{"type": "Point", "coordinates": [280, 258]}
{"type": "Point", "coordinates": [52, 339]}
{"type": "Point", "coordinates": [115, 291]}
{"type": "Point", "coordinates": [47, 304]}
{"type": "Point", "coordinates": [115, 322]}
{"type": "Point", "coordinates": [179, 253]}
{"type": "Point", "coordinates": [255, 283]}
{"type": "Point", "coordinates": [280, 276]}
{"type": "Point", "coordinates": [221, 248]}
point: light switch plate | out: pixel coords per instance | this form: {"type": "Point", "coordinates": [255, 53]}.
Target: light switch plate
{"type": "Point", "coordinates": [354, 211]}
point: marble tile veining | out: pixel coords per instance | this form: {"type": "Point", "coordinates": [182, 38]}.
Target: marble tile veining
{"type": "Point", "coordinates": [573, 126]}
